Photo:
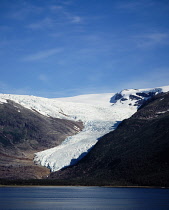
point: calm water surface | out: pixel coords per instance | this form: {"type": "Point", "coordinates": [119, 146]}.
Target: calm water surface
{"type": "Point", "coordinates": [83, 198]}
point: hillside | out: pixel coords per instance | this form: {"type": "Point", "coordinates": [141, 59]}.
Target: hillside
{"type": "Point", "coordinates": [136, 153]}
{"type": "Point", "coordinates": [24, 132]}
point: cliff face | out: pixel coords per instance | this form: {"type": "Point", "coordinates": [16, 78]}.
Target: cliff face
{"type": "Point", "coordinates": [24, 132]}
{"type": "Point", "coordinates": [136, 153]}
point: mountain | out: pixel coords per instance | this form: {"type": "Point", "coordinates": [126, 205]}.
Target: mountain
{"type": "Point", "coordinates": [50, 125]}
{"type": "Point", "coordinates": [136, 153]}
{"type": "Point", "coordinates": [99, 119]}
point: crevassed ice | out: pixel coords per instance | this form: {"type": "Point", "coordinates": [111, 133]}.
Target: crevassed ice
{"type": "Point", "coordinates": [97, 121]}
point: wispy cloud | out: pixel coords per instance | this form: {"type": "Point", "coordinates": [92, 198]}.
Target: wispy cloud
{"type": "Point", "coordinates": [64, 13]}
{"type": "Point", "coordinates": [43, 78]}
{"type": "Point", "coordinates": [39, 17]}
{"type": "Point", "coordinates": [71, 18]}
{"type": "Point", "coordinates": [42, 54]}
{"type": "Point", "coordinates": [42, 24]}
{"type": "Point", "coordinates": [133, 5]}
{"type": "Point", "coordinates": [23, 10]}
{"type": "Point", "coordinates": [154, 78]}
{"type": "Point", "coordinates": [76, 19]}
{"type": "Point", "coordinates": [56, 34]}
{"type": "Point", "coordinates": [3, 87]}
{"type": "Point", "coordinates": [128, 5]}
{"type": "Point", "coordinates": [49, 22]}
{"type": "Point", "coordinates": [152, 39]}
{"type": "Point", "coordinates": [5, 28]}
{"type": "Point", "coordinates": [66, 2]}
{"type": "Point", "coordinates": [55, 8]}
{"type": "Point", "coordinates": [90, 89]}
{"type": "Point", "coordinates": [59, 15]}
{"type": "Point", "coordinates": [8, 89]}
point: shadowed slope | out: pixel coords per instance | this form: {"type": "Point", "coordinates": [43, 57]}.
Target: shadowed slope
{"type": "Point", "coordinates": [136, 153]}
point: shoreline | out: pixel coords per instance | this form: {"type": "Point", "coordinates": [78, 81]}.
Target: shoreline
{"type": "Point", "coordinates": [144, 187]}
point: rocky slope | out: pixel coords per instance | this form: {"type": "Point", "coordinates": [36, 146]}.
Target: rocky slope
{"type": "Point", "coordinates": [136, 153]}
{"type": "Point", "coordinates": [24, 132]}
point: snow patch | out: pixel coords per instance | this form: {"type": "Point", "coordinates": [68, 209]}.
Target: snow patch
{"type": "Point", "coordinates": [162, 112]}
{"type": "Point", "coordinates": [2, 101]}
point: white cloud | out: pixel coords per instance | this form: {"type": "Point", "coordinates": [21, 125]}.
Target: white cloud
{"type": "Point", "coordinates": [42, 54]}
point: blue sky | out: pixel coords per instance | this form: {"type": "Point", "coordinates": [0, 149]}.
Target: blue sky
{"type": "Point", "coordinates": [61, 48]}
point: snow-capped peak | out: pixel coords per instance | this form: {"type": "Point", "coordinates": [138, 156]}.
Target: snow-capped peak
{"type": "Point", "coordinates": [136, 97]}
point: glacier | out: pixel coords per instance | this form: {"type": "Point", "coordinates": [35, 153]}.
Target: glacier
{"type": "Point", "coordinates": [100, 114]}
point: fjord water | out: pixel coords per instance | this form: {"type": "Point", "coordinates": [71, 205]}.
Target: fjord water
{"type": "Point", "coordinates": [83, 198]}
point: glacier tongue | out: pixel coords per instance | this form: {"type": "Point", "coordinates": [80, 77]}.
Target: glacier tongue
{"type": "Point", "coordinates": [97, 121]}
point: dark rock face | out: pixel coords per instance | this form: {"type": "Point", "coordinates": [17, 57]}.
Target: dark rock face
{"type": "Point", "coordinates": [24, 132]}
{"type": "Point", "coordinates": [133, 97]}
{"type": "Point", "coordinates": [150, 94]}
{"type": "Point", "coordinates": [116, 97]}
{"type": "Point", "coordinates": [136, 153]}
{"type": "Point", "coordinates": [124, 99]}
{"type": "Point", "coordinates": [139, 100]}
